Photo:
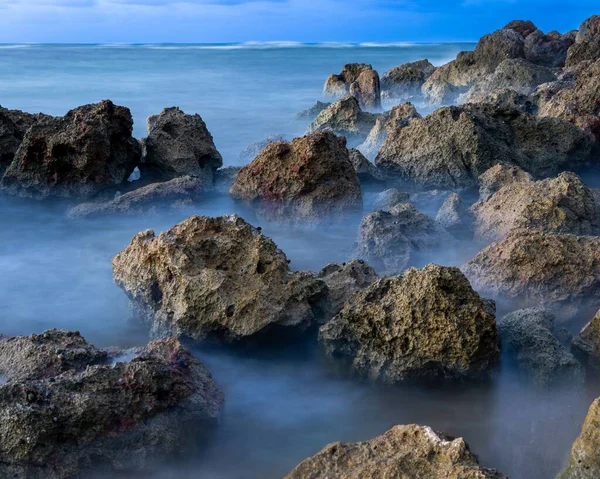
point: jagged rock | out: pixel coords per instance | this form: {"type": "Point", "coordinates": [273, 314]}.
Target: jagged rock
{"type": "Point", "coordinates": [558, 271]}
{"type": "Point", "coordinates": [402, 452]}
{"type": "Point", "coordinates": [367, 172]}
{"type": "Point", "coordinates": [173, 193]}
{"type": "Point", "coordinates": [13, 126]}
{"type": "Point", "coordinates": [308, 181]}
{"type": "Point", "coordinates": [498, 177]}
{"type": "Point", "coordinates": [215, 277]}
{"type": "Point", "coordinates": [393, 240]}
{"type": "Point", "coordinates": [78, 155]}
{"type": "Point", "coordinates": [425, 323]}
{"type": "Point", "coordinates": [454, 216]}
{"type": "Point", "coordinates": [253, 150]}
{"type": "Point", "coordinates": [451, 147]}
{"type": "Point", "coordinates": [505, 98]}
{"type": "Point", "coordinates": [524, 27]}
{"type": "Point", "coordinates": [395, 119]}
{"type": "Point", "coordinates": [584, 462]}
{"type": "Point", "coordinates": [547, 50]}
{"type": "Point", "coordinates": [587, 43]}
{"type": "Point", "coordinates": [555, 205]}
{"type": "Point", "coordinates": [587, 344]}
{"type": "Point", "coordinates": [528, 335]}
{"type": "Point", "coordinates": [179, 145]}
{"type": "Point", "coordinates": [313, 111]}
{"type": "Point", "coordinates": [404, 82]}
{"type": "Point", "coordinates": [224, 177]}
{"type": "Point", "coordinates": [343, 280]}
{"type": "Point", "coordinates": [358, 79]}
{"type": "Point", "coordinates": [68, 406]}
{"type": "Point", "coordinates": [345, 118]}
{"type": "Point", "coordinates": [385, 200]}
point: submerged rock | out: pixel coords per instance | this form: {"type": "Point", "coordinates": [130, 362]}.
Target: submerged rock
{"type": "Point", "coordinates": [584, 462]}
{"type": "Point", "coordinates": [343, 280]}
{"type": "Point", "coordinates": [402, 452]}
{"type": "Point", "coordinates": [310, 180]}
{"type": "Point", "coordinates": [358, 79]}
{"type": "Point", "coordinates": [425, 323]}
{"type": "Point", "coordinates": [404, 82]}
{"type": "Point", "coordinates": [393, 240]}
{"type": "Point", "coordinates": [78, 155]}
{"type": "Point", "coordinates": [528, 334]}
{"type": "Point", "coordinates": [560, 272]}
{"type": "Point", "coordinates": [451, 147]}
{"type": "Point", "coordinates": [174, 193]}
{"type": "Point", "coordinates": [179, 144]}
{"type": "Point", "coordinates": [587, 344]}
{"type": "Point", "coordinates": [13, 126]}
{"type": "Point", "coordinates": [555, 205]}
{"type": "Point", "coordinates": [215, 277]}
{"type": "Point", "coordinates": [68, 407]}
{"type": "Point", "coordinates": [253, 150]}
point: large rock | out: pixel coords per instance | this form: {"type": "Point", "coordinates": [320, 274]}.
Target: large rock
{"type": "Point", "coordinates": [584, 462]}
{"type": "Point", "coordinates": [557, 271]}
{"type": "Point", "coordinates": [358, 79]}
{"type": "Point", "coordinates": [309, 180]}
{"type": "Point", "coordinates": [345, 118]}
{"type": "Point", "coordinates": [547, 50]}
{"type": "Point", "coordinates": [343, 280]}
{"type": "Point", "coordinates": [451, 147]}
{"type": "Point", "coordinates": [68, 407]}
{"type": "Point", "coordinates": [587, 344]}
{"type": "Point", "coordinates": [177, 145]}
{"type": "Point", "coordinates": [393, 240]}
{"type": "Point", "coordinates": [524, 27]}
{"type": "Point", "coordinates": [587, 42]}
{"type": "Point", "coordinates": [13, 126]}
{"type": "Point", "coordinates": [528, 334]}
{"type": "Point", "coordinates": [367, 172]}
{"type": "Point", "coordinates": [171, 194]}
{"type": "Point", "coordinates": [215, 277]}
{"type": "Point", "coordinates": [425, 323]}
{"type": "Point", "coordinates": [78, 155]}
{"type": "Point", "coordinates": [505, 98]}
{"type": "Point", "coordinates": [404, 83]}
{"type": "Point", "coordinates": [556, 205]}
{"type": "Point", "coordinates": [402, 452]}
{"type": "Point", "coordinates": [498, 177]}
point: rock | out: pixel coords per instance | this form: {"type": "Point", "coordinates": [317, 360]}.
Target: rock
{"type": "Point", "coordinates": [425, 323]}
{"type": "Point", "coordinates": [393, 240]}
{"type": "Point", "coordinates": [395, 119]}
{"type": "Point", "coordinates": [505, 98]}
{"type": "Point", "coordinates": [215, 277]}
{"type": "Point", "coordinates": [430, 201]}
{"type": "Point", "coordinates": [498, 177]}
{"type": "Point", "coordinates": [313, 111]}
{"type": "Point", "coordinates": [173, 193]}
{"type": "Point", "coordinates": [358, 79]}
{"type": "Point", "coordinates": [402, 452]}
{"type": "Point", "coordinates": [224, 177]}
{"type": "Point", "coordinates": [343, 280]}
{"type": "Point", "coordinates": [367, 172]}
{"type": "Point", "coordinates": [310, 180]}
{"type": "Point", "coordinates": [584, 462]}
{"type": "Point", "coordinates": [78, 155]}
{"type": "Point", "coordinates": [454, 216]}
{"type": "Point", "coordinates": [451, 147]}
{"type": "Point", "coordinates": [547, 50]}
{"type": "Point", "coordinates": [558, 271]}
{"type": "Point", "coordinates": [524, 27]}
{"type": "Point", "coordinates": [13, 126]}
{"type": "Point", "coordinates": [555, 205]}
{"type": "Point", "coordinates": [528, 335]}
{"type": "Point", "coordinates": [587, 344]}
{"type": "Point", "coordinates": [587, 43]}
{"type": "Point", "coordinates": [179, 145]}
{"type": "Point", "coordinates": [345, 118]}
{"type": "Point", "coordinates": [68, 407]}
{"type": "Point", "coordinates": [385, 200]}
{"type": "Point", "coordinates": [252, 151]}
{"type": "Point", "coordinates": [404, 82]}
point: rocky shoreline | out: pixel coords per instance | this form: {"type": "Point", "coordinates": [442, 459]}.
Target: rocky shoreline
{"type": "Point", "coordinates": [502, 160]}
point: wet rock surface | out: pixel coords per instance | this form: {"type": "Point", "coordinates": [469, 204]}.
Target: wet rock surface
{"type": "Point", "coordinates": [216, 277]}
{"type": "Point", "coordinates": [528, 334]}
{"type": "Point", "coordinates": [78, 155]}
{"type": "Point", "coordinates": [425, 323]}
{"type": "Point", "coordinates": [307, 181]}
{"type": "Point", "coordinates": [68, 407]}
{"type": "Point", "coordinates": [402, 452]}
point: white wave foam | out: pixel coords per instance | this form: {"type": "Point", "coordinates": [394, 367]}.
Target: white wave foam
{"type": "Point", "coordinates": [14, 47]}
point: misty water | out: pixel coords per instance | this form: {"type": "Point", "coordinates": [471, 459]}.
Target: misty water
{"type": "Point", "coordinates": [286, 401]}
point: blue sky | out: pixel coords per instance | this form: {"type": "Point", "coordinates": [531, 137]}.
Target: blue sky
{"type": "Point", "coordinates": [190, 21]}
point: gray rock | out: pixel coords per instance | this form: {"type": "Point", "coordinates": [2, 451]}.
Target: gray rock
{"type": "Point", "coordinates": [385, 200]}
{"type": "Point", "coordinates": [252, 151]}
{"type": "Point", "coordinates": [404, 83]}
{"type": "Point", "coordinates": [455, 217]}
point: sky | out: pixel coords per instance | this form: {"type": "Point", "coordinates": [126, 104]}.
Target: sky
{"type": "Point", "coordinates": [223, 21]}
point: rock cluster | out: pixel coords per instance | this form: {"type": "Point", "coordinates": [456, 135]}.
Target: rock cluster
{"type": "Point", "coordinates": [358, 79]}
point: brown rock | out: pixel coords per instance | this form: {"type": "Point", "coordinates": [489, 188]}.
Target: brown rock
{"type": "Point", "coordinates": [524, 27]}
{"type": "Point", "coordinates": [584, 461]}
{"type": "Point", "coordinates": [587, 42]}
{"type": "Point", "coordinates": [358, 79]}
{"type": "Point", "coordinates": [587, 344]}
{"type": "Point", "coordinates": [404, 82]}
{"type": "Point", "coordinates": [13, 126]}
{"type": "Point", "coordinates": [498, 177]}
